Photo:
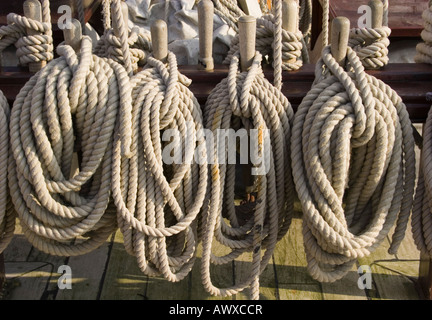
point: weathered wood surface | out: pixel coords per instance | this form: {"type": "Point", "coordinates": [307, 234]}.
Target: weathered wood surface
{"type": "Point", "coordinates": [109, 273]}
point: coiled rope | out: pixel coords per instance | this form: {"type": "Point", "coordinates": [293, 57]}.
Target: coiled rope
{"type": "Point", "coordinates": [30, 48]}
{"type": "Point", "coordinates": [353, 165]}
{"type": "Point", "coordinates": [424, 49]}
{"type": "Point", "coordinates": [252, 103]}
{"type": "Point", "coordinates": [255, 103]}
{"type": "Point", "coordinates": [158, 202]}
{"type": "Point", "coordinates": [371, 43]}
{"type": "Point", "coordinates": [70, 105]}
{"type": "Point", "coordinates": [7, 212]}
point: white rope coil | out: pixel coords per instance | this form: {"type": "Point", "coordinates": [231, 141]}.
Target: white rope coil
{"type": "Point", "coordinates": [30, 48]}
{"type": "Point", "coordinates": [7, 213]}
{"type": "Point", "coordinates": [292, 44]}
{"type": "Point", "coordinates": [371, 45]}
{"type": "Point", "coordinates": [70, 105]}
{"type": "Point", "coordinates": [424, 49]}
{"type": "Point", "coordinates": [158, 202]}
{"type": "Point", "coordinates": [353, 165]}
{"type": "Point", "coordinates": [247, 100]}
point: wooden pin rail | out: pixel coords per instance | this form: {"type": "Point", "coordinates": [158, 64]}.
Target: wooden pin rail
{"type": "Point", "coordinates": [410, 81]}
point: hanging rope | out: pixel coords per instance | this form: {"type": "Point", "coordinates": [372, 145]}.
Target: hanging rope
{"type": "Point", "coordinates": [30, 48]}
{"type": "Point", "coordinates": [253, 103]}
{"type": "Point", "coordinates": [7, 213]}
{"type": "Point", "coordinates": [371, 44]}
{"type": "Point", "coordinates": [424, 49]}
{"type": "Point", "coordinates": [158, 202]}
{"type": "Point", "coordinates": [353, 165]}
{"type": "Point", "coordinates": [421, 213]}
{"type": "Point", "coordinates": [70, 105]}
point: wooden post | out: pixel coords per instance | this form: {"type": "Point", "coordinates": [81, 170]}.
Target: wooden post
{"type": "Point", "coordinates": [73, 35]}
{"type": "Point", "coordinates": [339, 39]}
{"type": "Point", "coordinates": [205, 20]}
{"type": "Point", "coordinates": [377, 9]}
{"type": "Point", "coordinates": [247, 34]}
{"type": "Point", "coordinates": [290, 18]}
{"type": "Point", "coordinates": [159, 35]}
{"type": "Point", "coordinates": [33, 10]}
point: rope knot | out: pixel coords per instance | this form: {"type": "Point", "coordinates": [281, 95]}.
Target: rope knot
{"type": "Point", "coordinates": [351, 84]}
{"type": "Point", "coordinates": [241, 83]}
{"type": "Point", "coordinates": [30, 48]}
{"type": "Point", "coordinates": [170, 81]}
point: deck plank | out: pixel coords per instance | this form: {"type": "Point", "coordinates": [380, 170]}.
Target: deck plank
{"type": "Point", "coordinates": [123, 279]}
{"type": "Point", "coordinates": [87, 281]}
{"type": "Point", "coordinates": [293, 280]}
{"type": "Point", "coordinates": [345, 288]}
{"type": "Point", "coordinates": [393, 277]}
{"type": "Point", "coordinates": [267, 279]}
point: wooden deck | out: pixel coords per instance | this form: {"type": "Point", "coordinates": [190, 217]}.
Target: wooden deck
{"type": "Point", "coordinates": [109, 273]}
